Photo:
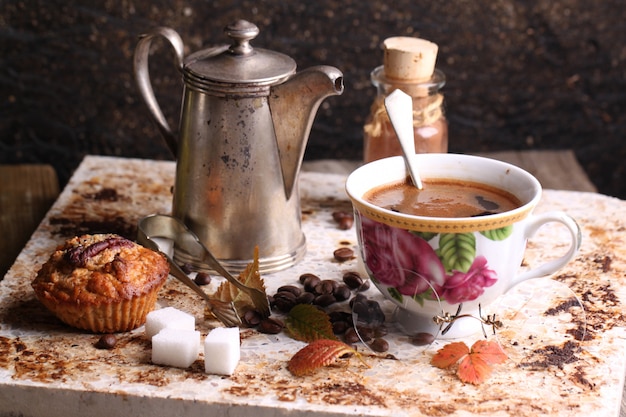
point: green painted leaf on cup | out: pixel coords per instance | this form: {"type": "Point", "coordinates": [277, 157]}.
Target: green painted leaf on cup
{"type": "Point", "coordinates": [395, 294]}
{"type": "Point", "coordinates": [429, 294]}
{"type": "Point", "coordinates": [457, 251]}
{"type": "Point", "coordinates": [498, 234]}
{"type": "Point", "coordinates": [425, 235]}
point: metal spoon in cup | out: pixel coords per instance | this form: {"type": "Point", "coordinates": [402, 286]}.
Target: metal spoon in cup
{"type": "Point", "coordinates": [399, 107]}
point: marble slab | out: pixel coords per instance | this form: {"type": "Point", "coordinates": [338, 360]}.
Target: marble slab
{"type": "Point", "coordinates": [563, 360]}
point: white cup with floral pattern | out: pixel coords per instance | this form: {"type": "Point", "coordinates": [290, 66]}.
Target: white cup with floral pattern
{"type": "Point", "coordinates": [403, 254]}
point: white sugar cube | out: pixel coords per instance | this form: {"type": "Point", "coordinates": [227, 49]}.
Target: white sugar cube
{"type": "Point", "coordinates": [175, 347]}
{"type": "Point", "coordinates": [222, 351]}
{"type": "Point", "coordinates": [168, 317]}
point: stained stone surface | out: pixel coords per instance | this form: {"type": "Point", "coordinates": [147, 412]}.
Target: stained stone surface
{"type": "Point", "coordinates": [521, 75]}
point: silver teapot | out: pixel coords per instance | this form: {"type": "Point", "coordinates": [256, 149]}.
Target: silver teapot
{"type": "Point", "coordinates": [245, 120]}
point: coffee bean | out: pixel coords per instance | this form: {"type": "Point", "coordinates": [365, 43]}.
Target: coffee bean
{"type": "Point", "coordinates": [367, 333]}
{"type": "Point", "coordinates": [343, 254]}
{"type": "Point", "coordinates": [340, 327]}
{"type": "Point", "coordinates": [422, 339]}
{"type": "Point", "coordinates": [305, 298]}
{"type": "Point", "coordinates": [342, 292]}
{"type": "Point", "coordinates": [344, 219]}
{"type": "Point", "coordinates": [352, 279]}
{"type": "Point", "coordinates": [326, 286]}
{"type": "Point", "coordinates": [381, 331]}
{"type": "Point", "coordinates": [291, 288]}
{"type": "Point", "coordinates": [306, 276]}
{"type": "Point", "coordinates": [202, 278]}
{"type": "Point", "coordinates": [310, 281]}
{"type": "Point", "coordinates": [379, 345]}
{"type": "Point", "coordinates": [350, 336]}
{"type": "Point", "coordinates": [187, 268]}
{"type": "Point", "coordinates": [284, 301]}
{"type": "Point", "coordinates": [365, 286]}
{"type": "Point", "coordinates": [338, 315]}
{"type": "Point", "coordinates": [339, 215]}
{"type": "Point", "coordinates": [251, 318]}
{"type": "Point", "coordinates": [324, 300]}
{"type": "Point", "coordinates": [346, 223]}
{"type": "Point", "coordinates": [107, 341]}
{"type": "Point", "coordinates": [271, 326]}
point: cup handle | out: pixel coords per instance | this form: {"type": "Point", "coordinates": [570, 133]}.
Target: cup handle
{"type": "Point", "coordinates": [554, 265]}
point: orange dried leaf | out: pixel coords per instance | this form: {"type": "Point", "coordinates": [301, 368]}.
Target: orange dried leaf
{"type": "Point", "coordinates": [317, 354]}
{"type": "Point", "coordinates": [308, 323]}
{"type": "Point", "coordinates": [473, 369]}
{"type": "Point", "coordinates": [475, 364]}
{"type": "Point", "coordinates": [489, 351]}
{"type": "Point", "coordinates": [449, 355]}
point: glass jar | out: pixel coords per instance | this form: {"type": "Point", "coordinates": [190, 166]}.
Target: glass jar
{"type": "Point", "coordinates": [431, 127]}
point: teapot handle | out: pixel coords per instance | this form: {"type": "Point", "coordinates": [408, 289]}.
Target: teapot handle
{"type": "Point", "coordinates": [142, 77]}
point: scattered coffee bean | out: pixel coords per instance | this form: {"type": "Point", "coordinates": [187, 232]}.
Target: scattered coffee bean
{"type": "Point", "coordinates": [352, 279]}
{"type": "Point", "coordinates": [365, 286]}
{"type": "Point", "coordinates": [326, 286]}
{"type": "Point", "coordinates": [342, 292]}
{"type": "Point", "coordinates": [305, 298]}
{"type": "Point", "coordinates": [350, 336]}
{"type": "Point", "coordinates": [422, 339]}
{"type": "Point", "coordinates": [271, 326]}
{"type": "Point", "coordinates": [310, 282]}
{"type": "Point", "coordinates": [202, 278]}
{"type": "Point", "coordinates": [304, 277]}
{"type": "Point", "coordinates": [251, 318]}
{"type": "Point", "coordinates": [107, 341]}
{"type": "Point", "coordinates": [381, 331]}
{"type": "Point", "coordinates": [284, 301]}
{"type": "Point", "coordinates": [340, 327]}
{"type": "Point", "coordinates": [379, 345]}
{"type": "Point", "coordinates": [343, 254]}
{"type": "Point", "coordinates": [187, 268]}
{"type": "Point", "coordinates": [367, 333]}
{"type": "Point", "coordinates": [290, 288]}
{"type": "Point", "coordinates": [324, 300]}
{"type": "Point", "coordinates": [344, 219]}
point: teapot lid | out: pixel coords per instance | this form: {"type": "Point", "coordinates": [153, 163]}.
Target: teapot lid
{"type": "Point", "coordinates": [239, 63]}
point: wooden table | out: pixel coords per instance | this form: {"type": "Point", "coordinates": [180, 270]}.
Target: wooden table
{"type": "Point", "coordinates": [43, 363]}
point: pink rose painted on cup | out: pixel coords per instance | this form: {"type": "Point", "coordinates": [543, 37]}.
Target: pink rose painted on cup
{"type": "Point", "coordinates": [400, 259]}
{"type": "Point", "coordinates": [406, 262]}
{"type": "Point", "coordinates": [468, 286]}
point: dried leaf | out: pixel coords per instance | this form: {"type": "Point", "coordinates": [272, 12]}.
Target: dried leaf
{"type": "Point", "coordinates": [449, 354]}
{"type": "Point", "coordinates": [251, 277]}
{"type": "Point", "coordinates": [317, 354]}
{"type": "Point", "coordinates": [473, 369]}
{"type": "Point", "coordinates": [475, 364]}
{"type": "Point", "coordinates": [308, 323]}
{"type": "Point", "coordinates": [489, 351]}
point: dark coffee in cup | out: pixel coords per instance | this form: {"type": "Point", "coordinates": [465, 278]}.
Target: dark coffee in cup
{"type": "Point", "coordinates": [443, 198]}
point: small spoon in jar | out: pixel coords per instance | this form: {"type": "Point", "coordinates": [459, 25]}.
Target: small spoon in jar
{"type": "Point", "coordinates": [399, 107]}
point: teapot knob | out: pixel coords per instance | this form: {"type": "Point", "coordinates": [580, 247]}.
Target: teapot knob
{"type": "Point", "coordinates": [241, 32]}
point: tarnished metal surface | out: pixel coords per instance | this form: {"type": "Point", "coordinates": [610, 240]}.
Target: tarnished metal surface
{"type": "Point", "coordinates": [49, 369]}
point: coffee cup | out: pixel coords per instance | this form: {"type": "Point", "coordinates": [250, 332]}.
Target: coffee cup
{"type": "Point", "coordinates": [444, 273]}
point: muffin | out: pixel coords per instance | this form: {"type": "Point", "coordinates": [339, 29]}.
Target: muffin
{"type": "Point", "coordinates": [102, 283]}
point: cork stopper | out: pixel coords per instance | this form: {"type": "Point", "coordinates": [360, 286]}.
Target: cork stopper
{"type": "Point", "coordinates": [409, 59]}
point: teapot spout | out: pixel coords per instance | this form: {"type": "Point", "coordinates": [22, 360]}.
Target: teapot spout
{"type": "Point", "coordinates": [293, 105]}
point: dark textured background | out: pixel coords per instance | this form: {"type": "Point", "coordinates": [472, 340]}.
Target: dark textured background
{"type": "Point", "coordinates": [547, 74]}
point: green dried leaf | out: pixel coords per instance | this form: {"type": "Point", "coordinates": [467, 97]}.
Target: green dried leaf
{"type": "Point", "coordinates": [307, 323]}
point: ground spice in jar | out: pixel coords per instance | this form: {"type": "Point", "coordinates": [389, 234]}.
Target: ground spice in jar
{"type": "Point", "coordinates": [409, 65]}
